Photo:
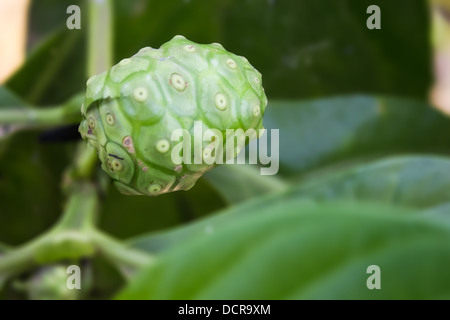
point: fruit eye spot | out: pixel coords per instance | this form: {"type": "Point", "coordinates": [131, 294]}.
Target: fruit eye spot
{"type": "Point", "coordinates": [110, 119]}
{"type": "Point", "coordinates": [140, 94]}
{"type": "Point", "coordinates": [257, 80]}
{"type": "Point", "coordinates": [163, 146]}
{"type": "Point", "coordinates": [116, 165]}
{"type": "Point", "coordinates": [154, 188]}
{"type": "Point", "coordinates": [177, 81]}
{"type": "Point", "coordinates": [189, 48]}
{"type": "Point", "coordinates": [231, 64]}
{"type": "Point", "coordinates": [127, 142]}
{"type": "Point", "coordinates": [92, 123]}
{"type": "Point", "coordinates": [220, 101]}
{"type": "Point", "coordinates": [256, 110]}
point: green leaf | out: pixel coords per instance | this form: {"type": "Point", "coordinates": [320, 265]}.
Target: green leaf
{"type": "Point", "coordinates": [290, 251]}
{"type": "Point", "coordinates": [439, 213]}
{"type": "Point", "coordinates": [166, 239]}
{"type": "Point", "coordinates": [237, 183]}
{"type": "Point", "coordinates": [127, 216]}
{"type": "Point", "coordinates": [53, 71]}
{"type": "Point", "coordinates": [320, 48]}
{"type": "Point", "coordinates": [317, 133]}
{"type": "Point", "coordinates": [8, 100]}
{"type": "Point", "coordinates": [410, 181]}
{"type": "Point", "coordinates": [415, 182]}
{"type": "Point", "coordinates": [303, 48]}
{"type": "Point", "coordinates": [4, 248]}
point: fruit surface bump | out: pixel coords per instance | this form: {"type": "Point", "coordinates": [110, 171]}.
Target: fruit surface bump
{"type": "Point", "coordinates": [131, 110]}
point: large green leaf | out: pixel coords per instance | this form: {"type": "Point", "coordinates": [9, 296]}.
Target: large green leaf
{"type": "Point", "coordinates": [290, 251]}
{"type": "Point", "coordinates": [127, 216]}
{"type": "Point", "coordinates": [415, 182]}
{"type": "Point", "coordinates": [54, 71]}
{"type": "Point", "coordinates": [342, 130]}
{"type": "Point", "coordinates": [303, 48]}
{"type": "Point", "coordinates": [8, 100]}
{"type": "Point", "coordinates": [322, 47]}
{"type": "Point", "coordinates": [439, 213]}
{"type": "Point", "coordinates": [321, 132]}
{"type": "Point", "coordinates": [238, 183]}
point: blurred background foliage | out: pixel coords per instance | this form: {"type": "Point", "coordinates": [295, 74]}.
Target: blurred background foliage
{"type": "Point", "coordinates": [304, 49]}
{"type": "Point", "coordinates": [343, 97]}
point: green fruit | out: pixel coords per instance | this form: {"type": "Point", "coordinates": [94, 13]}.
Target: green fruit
{"type": "Point", "coordinates": [131, 111]}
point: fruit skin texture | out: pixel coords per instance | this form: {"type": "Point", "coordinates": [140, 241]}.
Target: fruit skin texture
{"type": "Point", "coordinates": [131, 110]}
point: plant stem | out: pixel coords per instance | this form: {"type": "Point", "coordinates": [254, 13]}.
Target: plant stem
{"type": "Point", "coordinates": [100, 44]}
{"type": "Point", "coordinates": [19, 259]}
{"type": "Point", "coordinates": [85, 162]}
{"type": "Point", "coordinates": [81, 209]}
{"type": "Point", "coordinates": [127, 259]}
{"type": "Point", "coordinates": [38, 117]}
{"type": "Point", "coordinates": [66, 113]}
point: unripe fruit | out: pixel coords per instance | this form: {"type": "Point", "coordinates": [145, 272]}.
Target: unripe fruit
{"type": "Point", "coordinates": [131, 111]}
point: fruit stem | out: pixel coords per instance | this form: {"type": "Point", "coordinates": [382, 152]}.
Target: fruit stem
{"type": "Point", "coordinates": [81, 208]}
{"type": "Point", "coordinates": [84, 162]}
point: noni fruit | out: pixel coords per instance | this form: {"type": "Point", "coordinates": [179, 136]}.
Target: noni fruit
{"type": "Point", "coordinates": [139, 112]}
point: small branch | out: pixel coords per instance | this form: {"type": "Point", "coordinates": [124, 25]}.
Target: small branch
{"type": "Point", "coordinates": [100, 46]}
{"type": "Point", "coordinates": [19, 259]}
{"type": "Point", "coordinates": [81, 209]}
{"type": "Point", "coordinates": [127, 259]}
{"type": "Point", "coordinates": [83, 166]}
{"type": "Point", "coordinates": [67, 113]}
